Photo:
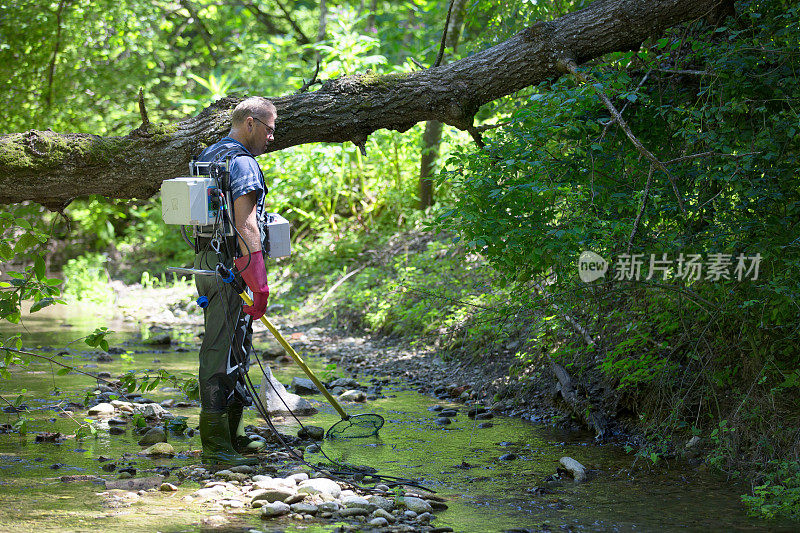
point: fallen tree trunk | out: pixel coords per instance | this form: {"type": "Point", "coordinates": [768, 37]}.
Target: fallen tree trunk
{"type": "Point", "coordinates": [53, 168]}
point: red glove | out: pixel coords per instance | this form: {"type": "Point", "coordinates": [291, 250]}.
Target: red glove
{"type": "Point", "coordinates": [255, 275]}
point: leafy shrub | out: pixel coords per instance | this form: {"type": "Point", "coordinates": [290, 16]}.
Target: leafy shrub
{"type": "Point", "coordinates": [86, 279]}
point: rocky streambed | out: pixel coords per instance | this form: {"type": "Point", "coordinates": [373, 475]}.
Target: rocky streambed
{"type": "Point", "coordinates": [448, 458]}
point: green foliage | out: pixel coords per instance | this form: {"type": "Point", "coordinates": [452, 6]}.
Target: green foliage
{"type": "Point", "coordinates": [23, 234]}
{"type": "Point", "coordinates": [147, 380]}
{"type": "Point", "coordinates": [87, 279]}
{"type": "Point", "coordinates": [98, 338]}
{"type": "Point", "coordinates": [779, 494]}
{"type": "Point", "coordinates": [562, 178]}
{"type": "Point", "coordinates": [86, 429]}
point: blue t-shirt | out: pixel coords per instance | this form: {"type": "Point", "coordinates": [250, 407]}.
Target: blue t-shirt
{"type": "Point", "coordinates": [245, 174]}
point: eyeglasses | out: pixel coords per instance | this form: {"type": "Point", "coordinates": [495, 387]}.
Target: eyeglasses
{"type": "Point", "coordinates": [270, 129]}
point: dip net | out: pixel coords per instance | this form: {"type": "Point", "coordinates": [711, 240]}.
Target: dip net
{"type": "Point", "coordinates": [356, 427]}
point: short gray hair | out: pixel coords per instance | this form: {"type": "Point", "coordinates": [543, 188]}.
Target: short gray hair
{"type": "Point", "coordinates": [255, 106]}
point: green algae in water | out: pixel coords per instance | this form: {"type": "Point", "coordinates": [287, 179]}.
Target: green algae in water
{"type": "Point", "coordinates": [461, 462]}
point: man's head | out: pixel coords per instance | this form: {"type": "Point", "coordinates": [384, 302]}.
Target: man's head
{"type": "Point", "coordinates": [253, 124]}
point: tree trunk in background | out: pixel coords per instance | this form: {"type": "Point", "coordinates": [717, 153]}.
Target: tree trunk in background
{"type": "Point", "coordinates": [323, 21]}
{"type": "Point", "coordinates": [432, 137]}
{"type": "Point", "coordinates": [373, 7]}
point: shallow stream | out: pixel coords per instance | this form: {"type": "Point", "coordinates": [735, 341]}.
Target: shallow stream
{"type": "Point", "coordinates": [461, 462]}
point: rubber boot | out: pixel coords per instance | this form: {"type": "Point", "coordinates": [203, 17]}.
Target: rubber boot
{"type": "Point", "coordinates": [215, 437]}
{"type": "Point", "coordinates": [241, 442]}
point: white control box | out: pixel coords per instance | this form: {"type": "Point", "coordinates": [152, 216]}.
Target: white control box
{"type": "Point", "coordinates": [280, 244]}
{"type": "Point", "coordinates": [187, 201]}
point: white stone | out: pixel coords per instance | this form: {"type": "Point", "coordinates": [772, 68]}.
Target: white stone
{"type": "Point", "coordinates": [151, 410]}
{"type": "Point", "coordinates": [297, 478]}
{"type": "Point", "coordinates": [577, 470]}
{"type": "Point", "coordinates": [279, 401]}
{"type": "Point", "coordinates": [101, 409]}
{"type": "Point", "coordinates": [320, 485]}
{"type": "Point", "coordinates": [353, 396]}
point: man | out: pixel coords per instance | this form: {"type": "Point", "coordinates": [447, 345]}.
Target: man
{"type": "Point", "coordinates": [228, 326]}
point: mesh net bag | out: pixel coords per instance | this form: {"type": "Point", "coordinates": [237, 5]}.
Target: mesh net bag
{"type": "Point", "coordinates": [356, 427]}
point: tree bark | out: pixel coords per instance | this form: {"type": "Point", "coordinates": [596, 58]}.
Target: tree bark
{"type": "Point", "coordinates": [52, 168]}
{"type": "Point", "coordinates": [432, 137]}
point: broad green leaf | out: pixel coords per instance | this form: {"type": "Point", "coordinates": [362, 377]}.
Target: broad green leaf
{"type": "Point", "coordinates": [41, 304]}
{"type": "Point", "coordinates": [39, 268]}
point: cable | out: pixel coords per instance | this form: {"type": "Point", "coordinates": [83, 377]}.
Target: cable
{"type": "Point", "coordinates": [241, 360]}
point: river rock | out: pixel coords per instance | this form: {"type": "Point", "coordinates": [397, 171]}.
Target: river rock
{"type": "Point", "coordinates": [274, 509]}
{"type": "Point", "coordinates": [576, 470]}
{"type": "Point", "coordinates": [101, 409]}
{"type": "Point", "coordinates": [273, 349]}
{"type": "Point", "coordinates": [382, 503]}
{"type": "Point", "coordinates": [475, 411]}
{"type": "Point", "coordinates": [272, 495]}
{"type": "Point", "coordinates": [228, 475]}
{"type": "Point", "coordinates": [161, 448]}
{"type": "Point", "coordinates": [153, 436]}
{"type": "Point", "coordinates": [328, 507]}
{"type": "Point", "coordinates": [418, 505]}
{"type": "Point", "coordinates": [320, 485]}
{"type": "Point", "coordinates": [151, 410]}
{"type": "Point", "coordinates": [347, 383]}
{"type": "Point", "coordinates": [116, 430]}
{"type": "Point", "coordinates": [438, 506]}
{"type": "Point", "coordinates": [304, 508]}
{"type": "Point", "coordinates": [379, 522]}
{"type": "Point", "coordinates": [167, 487]}
{"type": "Point", "coordinates": [449, 413]}
{"type": "Point", "coordinates": [159, 339]}
{"type": "Point", "coordinates": [442, 421]}
{"type": "Point", "coordinates": [311, 432]}
{"type": "Point", "coordinates": [303, 386]}
{"type": "Point", "coordinates": [508, 457]}
{"type": "Point", "coordinates": [382, 513]}
{"type": "Point", "coordinates": [210, 493]}
{"type": "Point", "coordinates": [142, 483]}
{"type": "Point", "coordinates": [352, 511]}
{"type": "Point", "coordinates": [353, 395]}
{"type": "Point", "coordinates": [359, 502]}
{"type": "Point", "coordinates": [297, 477]}
{"type": "Point", "coordinates": [279, 401]}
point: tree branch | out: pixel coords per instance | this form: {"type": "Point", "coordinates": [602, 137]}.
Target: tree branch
{"type": "Point", "coordinates": [617, 117]}
{"type": "Point", "coordinates": [446, 30]}
{"type": "Point", "coordinates": [53, 361]}
{"type": "Point", "coordinates": [263, 18]}
{"type": "Point", "coordinates": [312, 81]}
{"type": "Point", "coordinates": [56, 47]}
{"type": "Point", "coordinates": [288, 16]}
{"type": "Point", "coordinates": [645, 194]}
{"type": "Point", "coordinates": [202, 28]}
{"type": "Point", "coordinates": [52, 168]}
